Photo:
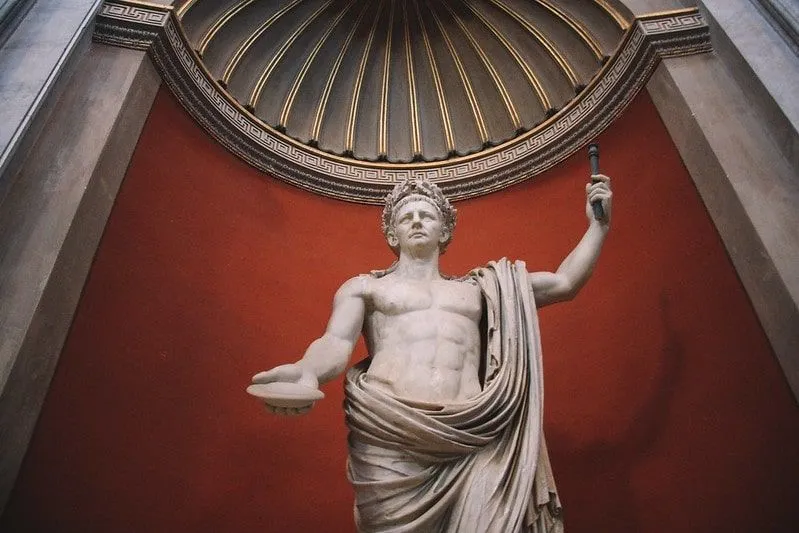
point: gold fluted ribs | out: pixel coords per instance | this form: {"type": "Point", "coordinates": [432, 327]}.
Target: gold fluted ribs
{"type": "Point", "coordinates": [489, 66]}
{"type": "Point", "coordinates": [574, 25]}
{"type": "Point", "coordinates": [226, 17]}
{"type": "Point", "coordinates": [614, 13]}
{"type": "Point", "coordinates": [529, 74]}
{"type": "Point", "coordinates": [316, 128]}
{"type": "Point", "coordinates": [547, 43]}
{"type": "Point", "coordinates": [349, 145]}
{"type": "Point", "coordinates": [326, 71]}
{"type": "Point", "coordinates": [416, 136]}
{"type": "Point", "coordinates": [234, 61]}
{"type": "Point", "coordinates": [382, 132]}
{"type": "Point", "coordinates": [441, 95]}
{"type": "Point", "coordinates": [466, 82]}
{"type": "Point", "coordinates": [185, 7]}
{"type": "Point", "coordinates": [255, 95]}
{"type": "Point", "coordinates": [295, 86]}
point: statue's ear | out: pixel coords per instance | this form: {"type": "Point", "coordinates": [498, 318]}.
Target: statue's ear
{"type": "Point", "coordinates": [392, 239]}
{"type": "Point", "coordinates": [444, 236]}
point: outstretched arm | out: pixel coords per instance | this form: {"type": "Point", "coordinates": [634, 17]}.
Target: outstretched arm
{"type": "Point", "coordinates": [327, 356]}
{"type": "Point", "coordinates": [565, 283]}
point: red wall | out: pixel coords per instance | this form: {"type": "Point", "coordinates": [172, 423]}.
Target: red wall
{"type": "Point", "coordinates": [665, 408]}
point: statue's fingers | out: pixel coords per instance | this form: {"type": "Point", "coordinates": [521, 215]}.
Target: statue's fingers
{"type": "Point", "coordinates": [263, 377]}
{"type": "Point", "coordinates": [275, 409]}
{"type": "Point", "coordinates": [288, 372]}
{"type": "Point", "coordinates": [600, 178]}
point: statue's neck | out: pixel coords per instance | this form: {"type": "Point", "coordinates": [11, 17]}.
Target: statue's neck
{"type": "Point", "coordinates": [418, 268]}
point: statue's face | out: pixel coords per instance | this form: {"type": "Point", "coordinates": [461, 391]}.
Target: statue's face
{"type": "Point", "coordinates": [418, 227]}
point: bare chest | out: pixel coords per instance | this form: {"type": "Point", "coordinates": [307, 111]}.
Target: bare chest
{"type": "Point", "coordinates": [393, 297]}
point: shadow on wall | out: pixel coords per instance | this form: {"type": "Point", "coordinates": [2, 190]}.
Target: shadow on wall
{"type": "Point", "coordinates": [616, 460]}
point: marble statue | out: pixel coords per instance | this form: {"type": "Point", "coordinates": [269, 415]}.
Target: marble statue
{"type": "Point", "coordinates": [445, 415]}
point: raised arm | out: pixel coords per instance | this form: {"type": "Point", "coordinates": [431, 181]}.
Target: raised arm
{"type": "Point", "coordinates": [327, 356]}
{"type": "Point", "coordinates": [565, 283]}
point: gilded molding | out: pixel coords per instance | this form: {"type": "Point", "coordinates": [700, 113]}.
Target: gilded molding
{"type": "Point", "coordinates": [156, 29]}
{"type": "Point", "coordinates": [474, 105]}
{"type": "Point", "coordinates": [446, 121]}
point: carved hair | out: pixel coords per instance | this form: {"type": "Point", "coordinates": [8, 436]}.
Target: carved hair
{"type": "Point", "coordinates": [412, 190]}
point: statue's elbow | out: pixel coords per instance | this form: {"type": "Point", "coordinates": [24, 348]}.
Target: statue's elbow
{"type": "Point", "coordinates": [569, 295]}
{"type": "Point", "coordinates": [570, 291]}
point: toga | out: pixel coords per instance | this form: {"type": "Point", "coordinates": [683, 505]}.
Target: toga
{"type": "Point", "coordinates": [473, 467]}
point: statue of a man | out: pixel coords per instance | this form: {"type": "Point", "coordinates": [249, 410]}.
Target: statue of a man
{"type": "Point", "coordinates": [445, 415]}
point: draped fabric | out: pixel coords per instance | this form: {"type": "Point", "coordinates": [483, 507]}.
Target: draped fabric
{"type": "Point", "coordinates": [477, 466]}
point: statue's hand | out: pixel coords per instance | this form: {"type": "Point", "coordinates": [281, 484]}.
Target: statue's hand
{"type": "Point", "coordinates": [285, 376]}
{"type": "Point", "coordinates": [599, 191]}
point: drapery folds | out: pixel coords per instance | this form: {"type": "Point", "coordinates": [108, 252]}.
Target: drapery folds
{"type": "Point", "coordinates": [473, 467]}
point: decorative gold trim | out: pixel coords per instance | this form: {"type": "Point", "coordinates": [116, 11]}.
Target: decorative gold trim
{"type": "Point", "coordinates": [532, 79]}
{"type": "Point", "coordinates": [127, 23]}
{"type": "Point", "coordinates": [233, 62]}
{"type": "Point", "coordinates": [349, 145]}
{"type": "Point", "coordinates": [320, 110]}
{"type": "Point", "coordinates": [184, 8]}
{"type": "Point", "coordinates": [442, 99]}
{"type": "Point", "coordinates": [614, 13]}
{"type": "Point", "coordinates": [388, 167]}
{"type": "Point", "coordinates": [145, 4]}
{"type": "Point", "coordinates": [382, 126]}
{"type": "Point", "coordinates": [495, 77]}
{"type": "Point", "coordinates": [668, 13]}
{"type": "Point", "coordinates": [255, 95]}
{"type": "Point", "coordinates": [300, 77]}
{"type": "Point", "coordinates": [221, 21]}
{"type": "Point", "coordinates": [576, 26]}
{"type": "Point", "coordinates": [548, 45]}
{"type": "Point", "coordinates": [416, 137]}
{"type": "Point", "coordinates": [467, 84]}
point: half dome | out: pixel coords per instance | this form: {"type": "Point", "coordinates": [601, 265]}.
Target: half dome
{"type": "Point", "coordinates": [403, 81]}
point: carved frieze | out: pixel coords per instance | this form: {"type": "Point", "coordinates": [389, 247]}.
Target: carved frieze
{"type": "Point", "coordinates": [157, 29]}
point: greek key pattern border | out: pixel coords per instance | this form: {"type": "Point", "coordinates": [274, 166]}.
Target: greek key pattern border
{"type": "Point", "coordinates": [137, 13]}
{"type": "Point", "coordinates": [155, 28]}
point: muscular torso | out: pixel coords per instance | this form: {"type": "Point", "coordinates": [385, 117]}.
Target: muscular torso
{"type": "Point", "coordinates": [424, 338]}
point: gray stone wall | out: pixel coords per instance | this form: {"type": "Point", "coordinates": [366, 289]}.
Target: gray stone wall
{"type": "Point", "coordinates": [734, 118]}
{"type": "Point", "coordinates": [33, 59]}
{"type": "Point", "coordinates": [71, 116]}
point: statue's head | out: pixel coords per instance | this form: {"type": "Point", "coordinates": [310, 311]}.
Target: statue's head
{"type": "Point", "coordinates": [414, 190]}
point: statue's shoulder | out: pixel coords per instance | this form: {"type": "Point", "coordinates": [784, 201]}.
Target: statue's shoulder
{"type": "Point", "coordinates": [381, 273]}
{"type": "Point", "coordinates": [469, 278]}
{"type": "Point", "coordinates": [359, 286]}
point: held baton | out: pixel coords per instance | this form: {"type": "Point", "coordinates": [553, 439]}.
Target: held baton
{"type": "Point", "coordinates": [593, 160]}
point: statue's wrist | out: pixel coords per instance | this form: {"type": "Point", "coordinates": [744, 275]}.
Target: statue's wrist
{"type": "Point", "coordinates": [602, 226]}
